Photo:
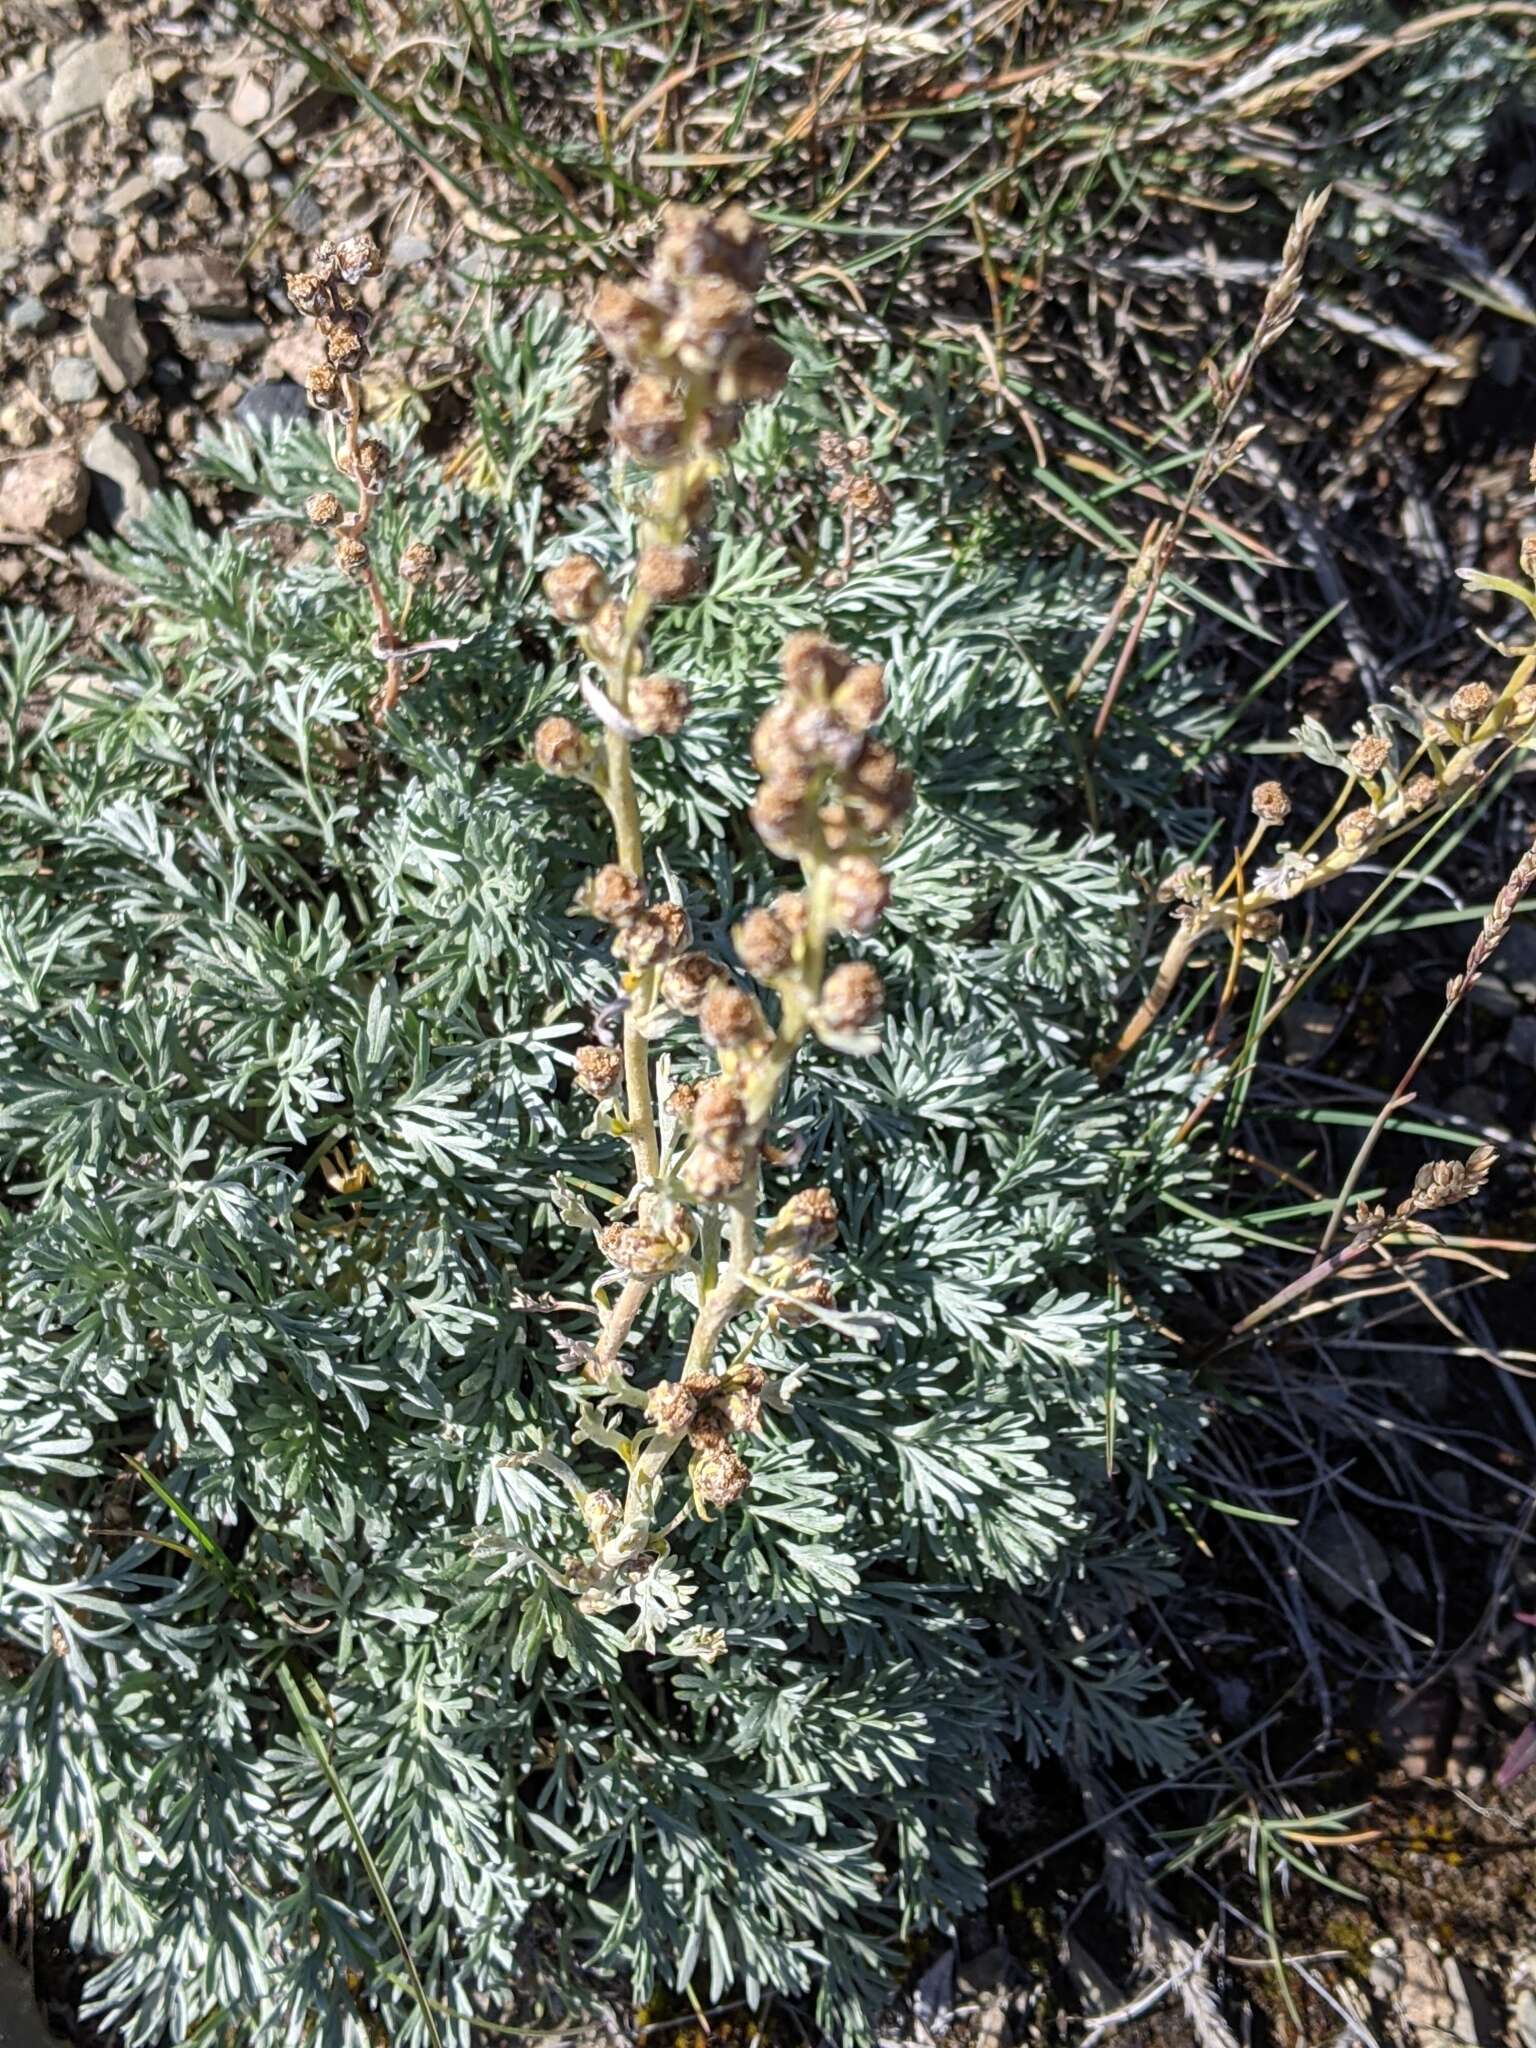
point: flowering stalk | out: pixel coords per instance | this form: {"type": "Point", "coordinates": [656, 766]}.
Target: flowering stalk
{"type": "Point", "coordinates": [832, 798]}
{"type": "Point", "coordinates": [327, 294]}
{"type": "Point", "coordinates": [1446, 755]}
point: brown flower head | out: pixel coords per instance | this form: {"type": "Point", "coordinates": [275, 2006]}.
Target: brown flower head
{"type": "Point", "coordinates": [671, 1408]}
{"type": "Point", "coordinates": [686, 981]}
{"type": "Point", "coordinates": [417, 562]}
{"type": "Point", "coordinates": [1471, 704]}
{"type": "Point", "coordinates": [658, 705]}
{"type": "Point", "coordinates": [1369, 755]}
{"type": "Point", "coordinates": [322, 387]}
{"type": "Point", "coordinates": [561, 747]}
{"type": "Point", "coordinates": [649, 421]}
{"type": "Point", "coordinates": [669, 574]}
{"type": "Point", "coordinates": [356, 257]}
{"type": "Point", "coordinates": [352, 558]}
{"type": "Point", "coordinates": [576, 589]}
{"type": "Point", "coordinates": [614, 895]}
{"type": "Point", "coordinates": [756, 369]}
{"type": "Point", "coordinates": [346, 343]}
{"type": "Point", "coordinates": [1270, 803]}
{"type": "Point", "coordinates": [372, 465]}
{"type": "Point", "coordinates": [811, 664]}
{"type": "Point", "coordinates": [309, 292]}
{"type": "Point", "coordinates": [711, 1172]}
{"type": "Point", "coordinates": [729, 1018]}
{"type": "Point", "coordinates": [764, 946]}
{"type": "Point", "coordinates": [653, 935]}
{"type": "Point", "coordinates": [860, 893]}
{"type": "Point", "coordinates": [719, 1477]}
{"type": "Point", "coordinates": [324, 508]}
{"type": "Point", "coordinates": [599, 1069]}
{"type": "Point", "coordinates": [1357, 828]}
{"type": "Point", "coordinates": [628, 322]}
{"type": "Point", "coordinates": [1419, 792]}
{"type": "Point", "coordinates": [719, 1114]}
{"type": "Point", "coordinates": [806, 1223]}
{"type": "Point", "coordinates": [859, 699]}
{"type": "Point", "coordinates": [852, 996]}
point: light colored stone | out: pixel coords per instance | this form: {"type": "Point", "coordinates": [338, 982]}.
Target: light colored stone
{"type": "Point", "coordinates": [126, 473]}
{"type": "Point", "coordinates": [23, 99]}
{"type": "Point", "coordinates": [229, 146]}
{"type": "Point", "coordinates": [129, 98]}
{"type": "Point", "coordinates": [73, 381]}
{"type": "Point", "coordinates": [116, 340]}
{"type": "Point", "coordinates": [250, 103]}
{"type": "Point", "coordinates": [44, 496]}
{"type": "Point", "coordinates": [192, 281]}
{"type": "Point", "coordinates": [29, 317]}
{"type": "Point", "coordinates": [84, 78]}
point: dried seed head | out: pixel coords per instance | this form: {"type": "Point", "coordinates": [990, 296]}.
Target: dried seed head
{"type": "Point", "coordinates": [711, 1172]}
{"type": "Point", "coordinates": [836, 823]}
{"type": "Point", "coordinates": [1419, 792]}
{"type": "Point", "coordinates": [683, 1100]}
{"type": "Point", "coordinates": [324, 508]}
{"type": "Point", "coordinates": [671, 1408]}
{"type": "Point", "coordinates": [658, 704]}
{"type": "Point", "coordinates": [310, 293]}
{"type": "Point", "coordinates": [628, 322]}
{"type": "Point", "coordinates": [806, 1223]}
{"type": "Point", "coordinates": [860, 893]}
{"type": "Point", "coordinates": [1357, 828]}
{"type": "Point", "coordinates": [810, 1295]}
{"type": "Point", "coordinates": [792, 910]}
{"type": "Point", "coordinates": [1261, 925]}
{"type": "Point", "coordinates": [775, 738]}
{"type": "Point", "coordinates": [686, 981]}
{"type": "Point", "coordinates": [718, 427]}
{"type": "Point", "coordinates": [599, 1069]}
{"type": "Point", "coordinates": [372, 465]}
{"type": "Point", "coordinates": [346, 346]}
{"type": "Point", "coordinates": [1369, 755]}
{"type": "Point", "coordinates": [811, 664]}
{"type": "Point", "coordinates": [576, 588]}
{"type": "Point", "coordinates": [357, 257]}
{"type": "Point", "coordinates": [1523, 707]}
{"type": "Point", "coordinates": [634, 1249]}
{"type": "Point", "coordinates": [852, 996]}
{"type": "Point", "coordinates": [859, 699]}
{"type": "Point", "coordinates": [869, 500]}
{"type": "Point", "coordinates": [561, 747]}
{"type": "Point", "coordinates": [322, 387]}
{"type": "Point", "coordinates": [1444, 1181]}
{"type": "Point", "coordinates": [714, 313]}
{"type": "Point", "coordinates": [764, 947]}
{"type": "Point", "coordinates": [1471, 704]}
{"type": "Point", "coordinates": [881, 785]}
{"type": "Point", "coordinates": [608, 637]}
{"type": "Point", "coordinates": [417, 562]}
{"type": "Point", "coordinates": [649, 421]}
{"type": "Point", "coordinates": [729, 1018]}
{"type": "Point", "coordinates": [1271, 805]}
{"type": "Point", "coordinates": [818, 735]}
{"type": "Point", "coordinates": [653, 935]}
{"type": "Point", "coordinates": [719, 1114]}
{"type": "Point", "coordinates": [614, 895]}
{"type": "Point", "coordinates": [778, 812]}
{"type": "Point", "coordinates": [743, 1408]}
{"type": "Point", "coordinates": [755, 370]}
{"type": "Point", "coordinates": [694, 245]}
{"type": "Point", "coordinates": [1528, 556]}
{"type": "Point", "coordinates": [718, 1475]}
{"type": "Point", "coordinates": [669, 574]}
{"type": "Point", "coordinates": [352, 558]}
{"type": "Point", "coordinates": [831, 451]}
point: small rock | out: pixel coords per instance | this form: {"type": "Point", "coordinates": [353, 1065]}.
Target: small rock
{"type": "Point", "coordinates": [1520, 1041]}
{"type": "Point", "coordinates": [272, 405]}
{"type": "Point", "coordinates": [73, 380]}
{"type": "Point", "coordinates": [29, 317]}
{"type": "Point", "coordinates": [200, 205]}
{"type": "Point", "coordinates": [23, 99]}
{"type": "Point", "coordinates": [1386, 1967]}
{"type": "Point", "coordinates": [1425, 2006]}
{"type": "Point", "coordinates": [85, 245]}
{"type": "Point", "coordinates": [229, 146]}
{"type": "Point", "coordinates": [192, 281]}
{"type": "Point", "coordinates": [164, 131]}
{"type": "Point", "coordinates": [217, 341]}
{"type": "Point", "coordinates": [129, 99]}
{"type": "Point", "coordinates": [1346, 1560]}
{"type": "Point", "coordinates": [305, 215]}
{"type": "Point", "coordinates": [128, 197]}
{"type": "Point", "coordinates": [44, 496]}
{"type": "Point", "coordinates": [1525, 2018]}
{"type": "Point", "coordinates": [405, 250]}
{"type": "Point", "coordinates": [293, 353]}
{"type": "Point", "coordinates": [117, 344]}
{"type": "Point", "coordinates": [82, 81]}
{"type": "Point", "coordinates": [126, 474]}
{"type": "Point", "coordinates": [19, 423]}
{"type": "Point", "coordinates": [250, 103]}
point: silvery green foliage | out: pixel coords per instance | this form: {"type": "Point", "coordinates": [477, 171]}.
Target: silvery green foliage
{"type": "Point", "coordinates": [238, 941]}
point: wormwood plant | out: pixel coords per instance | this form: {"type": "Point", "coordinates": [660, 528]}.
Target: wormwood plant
{"type": "Point", "coordinates": [662, 1627]}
